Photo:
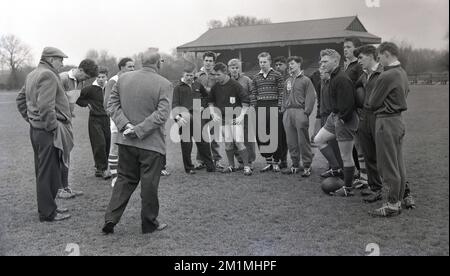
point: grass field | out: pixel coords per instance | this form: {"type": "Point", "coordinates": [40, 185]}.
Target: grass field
{"type": "Point", "coordinates": [213, 214]}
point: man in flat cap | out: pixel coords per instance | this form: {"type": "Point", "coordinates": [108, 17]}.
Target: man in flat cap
{"type": "Point", "coordinates": [140, 106]}
{"type": "Point", "coordinates": [44, 105]}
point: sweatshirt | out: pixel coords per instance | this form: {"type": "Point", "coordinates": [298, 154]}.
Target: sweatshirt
{"type": "Point", "coordinates": [299, 93]}
{"type": "Point", "coordinates": [390, 92]}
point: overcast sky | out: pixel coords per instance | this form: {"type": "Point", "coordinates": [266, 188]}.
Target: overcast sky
{"type": "Point", "coordinates": [126, 27]}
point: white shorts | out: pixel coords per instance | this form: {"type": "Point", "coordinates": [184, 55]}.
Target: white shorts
{"type": "Point", "coordinates": [233, 135]}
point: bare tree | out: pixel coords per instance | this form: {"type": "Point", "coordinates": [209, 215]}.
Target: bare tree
{"type": "Point", "coordinates": [104, 59]}
{"type": "Point", "coordinates": [243, 20]}
{"type": "Point", "coordinates": [92, 54]}
{"type": "Point", "coordinates": [238, 21]}
{"type": "Point", "coordinates": [214, 24]}
{"type": "Point", "coordinates": [15, 55]}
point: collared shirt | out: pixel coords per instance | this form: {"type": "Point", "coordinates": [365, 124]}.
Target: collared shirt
{"type": "Point", "coordinates": [72, 77]}
{"type": "Point", "coordinates": [95, 83]}
{"type": "Point", "coordinates": [266, 74]}
{"type": "Point", "coordinates": [184, 81]}
{"type": "Point", "coordinates": [372, 70]}
{"type": "Point", "coordinates": [395, 63]}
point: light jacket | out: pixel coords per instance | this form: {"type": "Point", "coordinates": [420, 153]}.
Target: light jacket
{"type": "Point", "coordinates": [43, 103]}
{"type": "Point", "coordinates": [142, 98]}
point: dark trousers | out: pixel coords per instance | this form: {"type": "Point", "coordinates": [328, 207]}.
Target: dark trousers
{"type": "Point", "coordinates": [100, 136]}
{"type": "Point", "coordinates": [333, 143]}
{"type": "Point", "coordinates": [47, 165]}
{"type": "Point", "coordinates": [213, 147]}
{"type": "Point", "coordinates": [280, 152]}
{"type": "Point", "coordinates": [137, 165]}
{"type": "Point", "coordinates": [164, 162]}
{"type": "Point", "coordinates": [203, 149]}
{"type": "Point", "coordinates": [366, 135]}
{"type": "Point", "coordinates": [390, 133]}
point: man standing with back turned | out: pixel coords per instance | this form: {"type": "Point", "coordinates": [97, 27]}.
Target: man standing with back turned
{"type": "Point", "coordinates": [139, 106]}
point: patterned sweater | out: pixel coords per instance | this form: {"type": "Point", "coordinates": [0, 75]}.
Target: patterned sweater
{"type": "Point", "coordinates": [269, 88]}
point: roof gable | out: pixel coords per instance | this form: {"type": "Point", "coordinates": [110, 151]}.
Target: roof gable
{"type": "Point", "coordinates": [356, 26]}
{"type": "Point", "coordinates": [281, 32]}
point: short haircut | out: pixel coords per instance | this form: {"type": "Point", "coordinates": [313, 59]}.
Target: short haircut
{"type": "Point", "coordinates": [353, 39]}
{"type": "Point", "coordinates": [189, 67]}
{"type": "Point", "coordinates": [150, 57]}
{"type": "Point", "coordinates": [123, 62]}
{"type": "Point", "coordinates": [331, 53]}
{"type": "Point", "coordinates": [296, 59]}
{"type": "Point", "coordinates": [234, 62]}
{"type": "Point", "coordinates": [221, 67]}
{"type": "Point", "coordinates": [102, 70]}
{"type": "Point", "coordinates": [209, 54]}
{"type": "Point", "coordinates": [389, 47]}
{"type": "Point", "coordinates": [281, 59]}
{"type": "Point", "coordinates": [265, 55]}
{"type": "Point", "coordinates": [89, 67]}
{"type": "Point", "coordinates": [366, 50]}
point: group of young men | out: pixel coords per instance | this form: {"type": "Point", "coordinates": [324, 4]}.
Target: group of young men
{"type": "Point", "coordinates": [359, 113]}
{"type": "Point", "coordinates": [360, 133]}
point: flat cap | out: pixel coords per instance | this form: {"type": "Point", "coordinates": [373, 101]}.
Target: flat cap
{"type": "Point", "coordinates": [53, 52]}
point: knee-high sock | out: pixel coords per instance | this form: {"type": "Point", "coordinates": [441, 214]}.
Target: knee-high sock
{"type": "Point", "coordinates": [328, 152]}
{"type": "Point", "coordinates": [113, 162]}
{"type": "Point", "coordinates": [244, 156]}
{"type": "Point", "coordinates": [230, 156]}
{"type": "Point", "coordinates": [363, 169]}
{"type": "Point", "coordinates": [355, 158]}
{"type": "Point", "coordinates": [348, 176]}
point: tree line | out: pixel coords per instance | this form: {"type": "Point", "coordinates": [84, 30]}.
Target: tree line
{"type": "Point", "coordinates": [15, 57]}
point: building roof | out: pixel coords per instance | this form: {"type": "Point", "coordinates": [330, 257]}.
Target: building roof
{"type": "Point", "coordinates": [281, 34]}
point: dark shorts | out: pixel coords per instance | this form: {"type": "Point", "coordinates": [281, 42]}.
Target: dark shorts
{"type": "Point", "coordinates": [343, 131]}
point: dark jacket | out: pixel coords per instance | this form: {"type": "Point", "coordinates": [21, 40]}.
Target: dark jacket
{"type": "Point", "coordinates": [368, 84]}
{"type": "Point", "coordinates": [184, 95]}
{"type": "Point", "coordinates": [389, 94]}
{"type": "Point", "coordinates": [342, 94]}
{"type": "Point", "coordinates": [142, 98]}
{"type": "Point", "coordinates": [315, 78]}
{"type": "Point", "coordinates": [325, 107]}
{"type": "Point", "coordinates": [354, 71]}
{"type": "Point", "coordinates": [92, 96]}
